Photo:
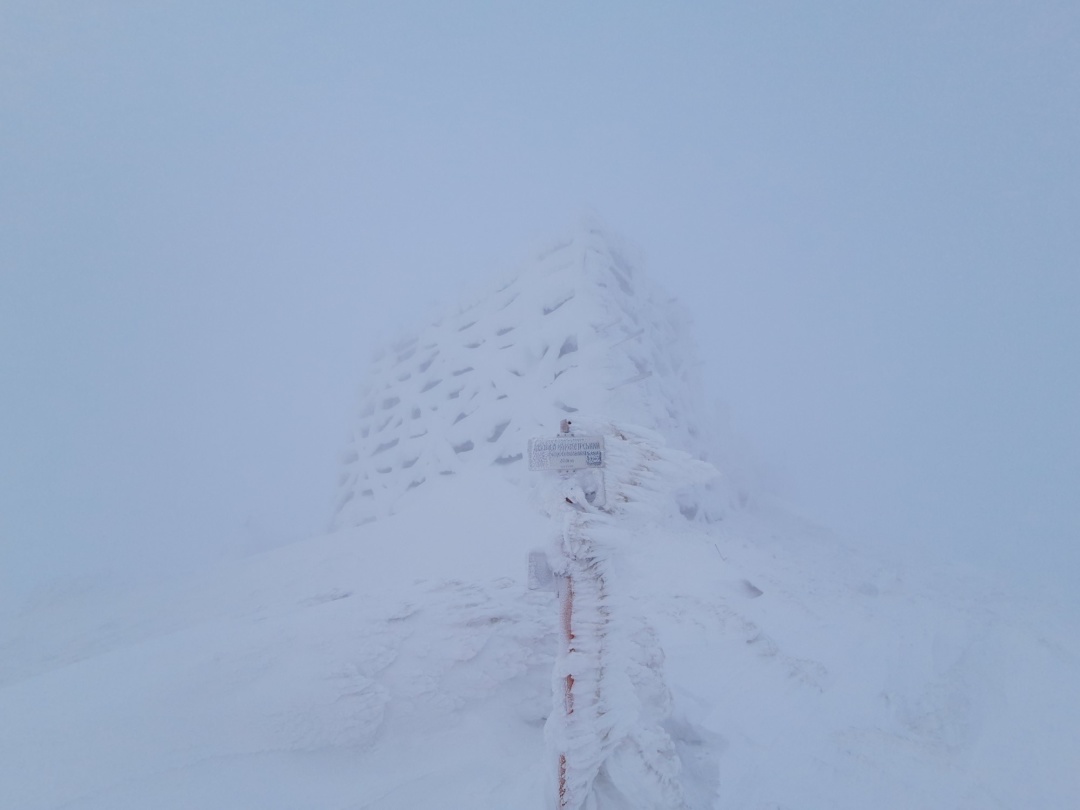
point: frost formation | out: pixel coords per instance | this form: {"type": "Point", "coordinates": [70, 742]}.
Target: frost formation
{"type": "Point", "coordinates": [576, 331]}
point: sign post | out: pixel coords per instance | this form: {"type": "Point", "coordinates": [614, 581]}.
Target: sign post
{"type": "Point", "coordinates": [566, 454]}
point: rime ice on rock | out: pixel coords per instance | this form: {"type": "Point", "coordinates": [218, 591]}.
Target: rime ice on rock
{"type": "Point", "coordinates": [577, 330]}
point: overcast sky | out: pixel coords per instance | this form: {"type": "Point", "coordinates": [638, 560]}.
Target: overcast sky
{"type": "Point", "coordinates": [210, 213]}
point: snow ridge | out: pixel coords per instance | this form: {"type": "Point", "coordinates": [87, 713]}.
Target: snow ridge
{"type": "Point", "coordinates": [578, 329]}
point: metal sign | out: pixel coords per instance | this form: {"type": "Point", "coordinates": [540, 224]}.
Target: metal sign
{"type": "Point", "coordinates": [566, 453]}
{"type": "Point", "coordinates": [541, 577]}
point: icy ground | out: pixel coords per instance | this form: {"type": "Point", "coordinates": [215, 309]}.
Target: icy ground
{"type": "Point", "coordinates": [404, 664]}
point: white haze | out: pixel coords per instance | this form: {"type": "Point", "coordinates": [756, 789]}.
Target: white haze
{"type": "Point", "coordinates": [210, 214]}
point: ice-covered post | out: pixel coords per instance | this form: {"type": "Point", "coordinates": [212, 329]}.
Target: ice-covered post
{"type": "Point", "coordinates": [567, 453]}
{"type": "Point", "coordinates": [617, 484]}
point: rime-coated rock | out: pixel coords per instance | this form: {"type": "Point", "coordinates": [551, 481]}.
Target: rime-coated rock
{"type": "Point", "coordinates": [578, 330]}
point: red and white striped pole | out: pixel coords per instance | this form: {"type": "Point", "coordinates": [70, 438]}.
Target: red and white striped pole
{"type": "Point", "coordinates": [567, 610]}
{"type": "Point", "coordinates": [567, 605]}
{"type": "Point", "coordinates": [566, 454]}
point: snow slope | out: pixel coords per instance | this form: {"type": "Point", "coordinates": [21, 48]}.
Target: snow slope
{"type": "Point", "coordinates": [751, 661]}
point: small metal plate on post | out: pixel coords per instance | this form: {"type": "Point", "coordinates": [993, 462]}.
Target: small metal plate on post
{"type": "Point", "coordinates": [541, 577]}
{"type": "Point", "coordinates": [566, 453]}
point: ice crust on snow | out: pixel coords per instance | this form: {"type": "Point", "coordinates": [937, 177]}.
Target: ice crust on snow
{"type": "Point", "coordinates": [576, 331]}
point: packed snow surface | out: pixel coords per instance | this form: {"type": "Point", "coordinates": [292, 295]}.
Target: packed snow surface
{"type": "Point", "coordinates": [725, 654]}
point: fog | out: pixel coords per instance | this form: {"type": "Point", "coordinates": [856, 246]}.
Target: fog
{"type": "Point", "coordinates": [212, 213]}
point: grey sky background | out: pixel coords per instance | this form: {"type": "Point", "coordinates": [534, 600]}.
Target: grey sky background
{"type": "Point", "coordinates": [210, 213]}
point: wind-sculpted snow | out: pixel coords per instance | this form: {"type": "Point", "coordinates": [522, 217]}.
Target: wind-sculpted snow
{"type": "Point", "coordinates": [578, 330]}
{"type": "Point", "coordinates": [324, 669]}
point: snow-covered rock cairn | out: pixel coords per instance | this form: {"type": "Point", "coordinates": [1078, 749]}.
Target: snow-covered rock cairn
{"type": "Point", "coordinates": [575, 329]}
{"type": "Point", "coordinates": [607, 743]}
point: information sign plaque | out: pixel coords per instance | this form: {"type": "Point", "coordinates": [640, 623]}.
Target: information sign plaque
{"type": "Point", "coordinates": [566, 453]}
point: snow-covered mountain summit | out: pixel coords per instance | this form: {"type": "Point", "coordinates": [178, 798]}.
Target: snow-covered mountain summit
{"type": "Point", "coordinates": [401, 662]}
{"type": "Point", "coordinates": [577, 330]}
